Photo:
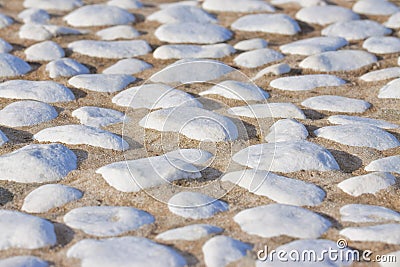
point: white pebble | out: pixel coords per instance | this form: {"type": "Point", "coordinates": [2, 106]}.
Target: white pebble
{"type": "Point", "coordinates": [375, 7]}
{"type": "Point", "coordinates": [106, 220]}
{"type": "Point", "coordinates": [99, 15]}
{"type": "Point", "coordinates": [98, 117]}
{"type": "Point", "coordinates": [195, 205]}
{"type": "Point", "coordinates": [192, 122]}
{"type": "Point", "coordinates": [278, 188]}
{"type": "Point", "coordinates": [26, 113]}
{"type": "Point", "coordinates": [270, 110]}
{"type": "Point", "coordinates": [251, 44]}
{"type": "Point", "coordinates": [286, 130]}
{"type": "Point", "coordinates": [81, 135]}
{"type": "Point", "coordinates": [45, 51]}
{"type": "Point", "coordinates": [344, 119]}
{"type": "Point", "coordinates": [110, 49]}
{"type": "Point", "coordinates": [335, 103]}
{"type": "Point", "coordinates": [12, 66]}
{"type": "Point", "coordinates": [382, 45]}
{"type": "Point", "coordinates": [237, 90]}
{"type": "Point", "coordinates": [370, 183]}
{"type": "Point", "coordinates": [385, 233]}
{"type": "Point", "coordinates": [237, 6]}
{"type": "Point", "coordinates": [277, 69]}
{"type": "Point", "coordinates": [23, 261]}
{"type": "Point", "coordinates": [383, 74]}
{"type": "Point", "coordinates": [360, 213]}
{"type": "Point", "coordinates": [118, 32]}
{"type": "Point", "coordinates": [189, 233]}
{"type": "Point", "coordinates": [193, 51]}
{"type": "Point", "coordinates": [34, 15]}
{"type": "Point", "coordinates": [25, 231]}
{"type": "Point", "coordinates": [323, 15]}
{"type": "Point", "coordinates": [219, 251]}
{"type": "Point", "coordinates": [50, 196]}
{"type": "Point", "coordinates": [278, 219]}
{"type": "Point", "coordinates": [314, 45]}
{"type": "Point", "coordinates": [356, 29]}
{"type": "Point", "coordinates": [257, 58]}
{"type": "Point", "coordinates": [306, 82]}
{"type": "Point", "coordinates": [268, 23]}
{"type": "Point", "coordinates": [126, 251]}
{"type": "Point", "coordinates": [101, 82]}
{"type": "Point", "coordinates": [62, 5]}
{"type": "Point", "coordinates": [388, 164]}
{"type": "Point", "coordinates": [41, 163]}
{"type": "Point", "coordinates": [287, 157]}
{"type": "Point", "coordinates": [360, 135]}
{"type": "Point", "coordinates": [127, 66]}
{"type": "Point", "coordinates": [45, 91]}
{"type": "Point", "coordinates": [65, 67]}
{"type": "Point", "coordinates": [181, 14]}
{"type": "Point", "coordinates": [390, 90]}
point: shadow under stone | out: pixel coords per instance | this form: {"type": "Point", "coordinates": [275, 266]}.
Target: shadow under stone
{"type": "Point", "coordinates": [347, 162]}
{"type": "Point", "coordinates": [5, 196]}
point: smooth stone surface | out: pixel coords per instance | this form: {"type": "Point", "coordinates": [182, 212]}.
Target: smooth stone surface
{"type": "Point", "coordinates": [179, 3]}
{"type": "Point", "coordinates": [302, 3]}
{"type": "Point", "coordinates": [356, 29]}
{"type": "Point", "coordinates": [5, 21]}
{"type": "Point", "coordinates": [277, 69]}
{"type": "Point", "coordinates": [344, 120]}
{"type": "Point", "coordinates": [50, 196]}
{"type": "Point", "coordinates": [279, 219]}
{"type": "Point", "coordinates": [98, 117]}
{"type": "Point", "coordinates": [257, 58]}
{"type": "Point", "coordinates": [334, 103]}
{"type": "Point", "coordinates": [192, 32]}
{"type": "Point", "coordinates": [12, 66]}
{"type": "Point", "coordinates": [126, 251]}
{"type": "Point", "coordinates": [190, 232]}
{"type": "Point", "coordinates": [343, 60]}
{"type": "Point", "coordinates": [393, 21]}
{"type": "Point", "coordinates": [3, 138]}
{"type": "Point", "coordinates": [110, 49]}
{"type": "Point", "coordinates": [191, 155]}
{"type": "Point", "coordinates": [127, 4]}
{"type": "Point", "coordinates": [101, 82]}
{"type": "Point", "coordinates": [154, 96]}
{"type": "Point", "coordinates": [237, 6]}
{"type": "Point", "coordinates": [25, 231]}
{"type": "Point", "coordinates": [41, 163]}
{"type": "Point", "coordinates": [135, 175]}
{"type": "Point", "coordinates": [189, 70]}
{"type": "Point", "coordinates": [237, 90]}
{"type": "Point", "coordinates": [286, 130]}
{"type": "Point", "coordinates": [383, 74]}
{"type": "Point", "coordinates": [360, 213]}
{"type": "Point", "coordinates": [127, 66]}
{"type": "Point", "coordinates": [106, 220]}
{"type": "Point", "coordinates": [41, 32]}
{"type": "Point", "coordinates": [182, 14]}
{"type": "Point", "coordinates": [195, 205]}
{"type": "Point", "coordinates": [98, 15]}
{"type": "Point", "coordinates": [375, 7]}
{"type": "Point", "coordinates": [45, 91]}
{"type": "Point", "coordinates": [278, 188]}
{"type": "Point", "coordinates": [81, 135]}
{"type": "Point", "coordinates": [370, 183]}
{"type": "Point", "coordinates": [382, 45]}
{"type": "Point", "coordinates": [268, 23]}
{"type": "Point", "coordinates": [62, 5]}
{"type": "Point", "coordinates": [192, 122]}
{"type": "Point", "coordinates": [314, 45]}
{"type": "Point", "coordinates": [65, 67]}
{"type": "Point", "coordinates": [287, 157]}
{"type": "Point", "coordinates": [359, 135]}
{"type": "Point", "coordinates": [323, 15]}
{"type": "Point", "coordinates": [317, 246]}
{"type": "Point", "coordinates": [390, 90]}
{"type": "Point", "coordinates": [306, 82]}
{"type": "Point", "coordinates": [193, 51]}
{"type": "Point", "coordinates": [388, 164]}
{"type": "Point", "coordinates": [26, 113]}
{"type": "Point", "coordinates": [118, 32]}
{"type": "Point", "coordinates": [385, 233]}
{"type": "Point", "coordinates": [5, 47]}
{"type": "Point", "coordinates": [34, 15]}
{"type": "Point", "coordinates": [251, 44]}
{"type": "Point", "coordinates": [45, 51]}
{"type": "Point", "coordinates": [270, 110]}
{"type": "Point", "coordinates": [222, 250]}
{"type": "Point", "coordinates": [23, 261]}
